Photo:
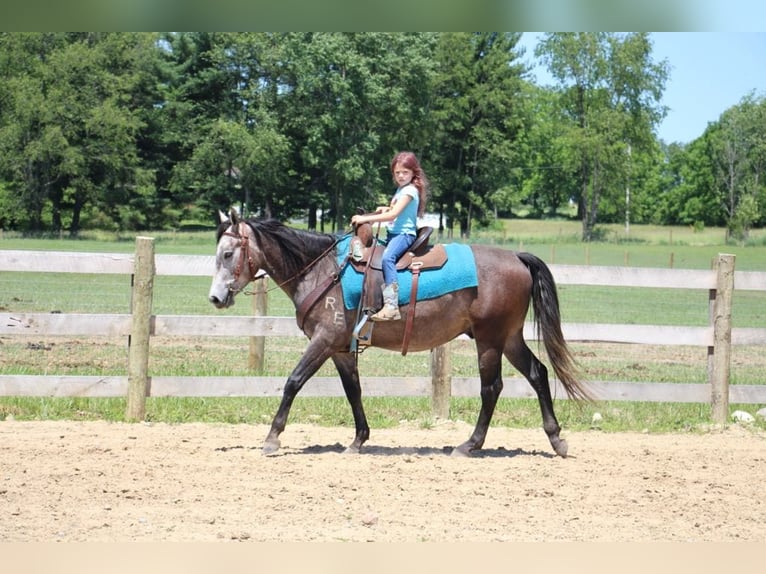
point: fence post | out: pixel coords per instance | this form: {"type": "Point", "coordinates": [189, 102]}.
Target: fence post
{"type": "Point", "coordinates": [441, 381]}
{"type": "Point", "coordinates": [142, 283]}
{"type": "Point", "coordinates": [255, 355]}
{"type": "Point", "coordinates": [719, 356]}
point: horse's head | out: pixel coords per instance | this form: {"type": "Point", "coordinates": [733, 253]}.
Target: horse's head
{"type": "Point", "coordinates": [235, 261]}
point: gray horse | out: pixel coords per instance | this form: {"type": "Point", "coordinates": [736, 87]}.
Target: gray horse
{"type": "Point", "coordinates": [305, 266]}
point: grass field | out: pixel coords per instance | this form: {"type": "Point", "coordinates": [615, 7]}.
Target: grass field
{"type": "Point", "coordinates": [554, 241]}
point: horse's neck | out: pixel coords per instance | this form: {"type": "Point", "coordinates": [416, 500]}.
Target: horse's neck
{"type": "Point", "coordinates": [304, 285]}
{"type": "Point", "coordinates": [297, 283]}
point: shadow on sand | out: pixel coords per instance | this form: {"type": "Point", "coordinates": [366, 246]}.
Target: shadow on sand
{"type": "Point", "coordinates": [376, 450]}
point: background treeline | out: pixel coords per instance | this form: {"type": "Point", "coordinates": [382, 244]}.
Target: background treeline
{"type": "Point", "coordinates": [133, 131]}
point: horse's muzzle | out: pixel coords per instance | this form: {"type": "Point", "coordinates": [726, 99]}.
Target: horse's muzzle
{"type": "Point", "coordinates": [219, 303]}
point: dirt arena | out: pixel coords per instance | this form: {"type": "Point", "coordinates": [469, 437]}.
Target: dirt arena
{"type": "Point", "coordinates": [97, 481]}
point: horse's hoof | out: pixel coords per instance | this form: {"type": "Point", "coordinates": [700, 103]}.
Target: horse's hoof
{"type": "Point", "coordinates": [351, 450]}
{"type": "Point", "coordinates": [460, 453]}
{"type": "Point", "coordinates": [561, 447]}
{"type": "Point", "coordinates": [270, 447]}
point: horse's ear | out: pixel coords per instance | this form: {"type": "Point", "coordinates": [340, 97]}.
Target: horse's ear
{"type": "Point", "coordinates": [222, 217]}
{"type": "Point", "coordinates": [234, 217]}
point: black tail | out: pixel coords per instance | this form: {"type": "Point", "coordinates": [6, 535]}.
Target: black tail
{"type": "Point", "coordinates": [545, 304]}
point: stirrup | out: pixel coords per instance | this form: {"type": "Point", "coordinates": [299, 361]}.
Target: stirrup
{"type": "Point", "coordinates": [358, 336]}
{"type": "Point", "coordinates": [356, 249]}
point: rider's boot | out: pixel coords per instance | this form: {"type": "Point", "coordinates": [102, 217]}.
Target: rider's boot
{"type": "Point", "coordinates": [390, 310]}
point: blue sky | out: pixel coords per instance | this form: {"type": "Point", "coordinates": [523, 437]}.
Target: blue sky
{"type": "Point", "coordinates": [709, 73]}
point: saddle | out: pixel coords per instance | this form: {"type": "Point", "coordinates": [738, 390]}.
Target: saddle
{"type": "Point", "coordinates": [365, 257]}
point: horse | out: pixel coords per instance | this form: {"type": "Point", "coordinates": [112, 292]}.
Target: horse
{"type": "Point", "coordinates": [305, 266]}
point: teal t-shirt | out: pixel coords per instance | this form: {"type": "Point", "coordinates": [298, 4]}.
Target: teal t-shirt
{"type": "Point", "coordinates": [407, 222]}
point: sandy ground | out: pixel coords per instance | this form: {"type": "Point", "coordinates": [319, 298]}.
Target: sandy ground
{"type": "Point", "coordinates": [97, 481]}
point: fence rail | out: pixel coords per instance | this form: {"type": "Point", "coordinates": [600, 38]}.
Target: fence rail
{"type": "Point", "coordinates": [140, 325]}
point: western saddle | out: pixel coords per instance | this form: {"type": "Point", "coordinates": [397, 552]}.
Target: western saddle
{"type": "Point", "coordinates": [365, 255]}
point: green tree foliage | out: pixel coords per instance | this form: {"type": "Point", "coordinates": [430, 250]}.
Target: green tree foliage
{"type": "Point", "coordinates": [478, 113]}
{"type": "Point", "coordinates": [352, 101]}
{"type": "Point", "coordinates": [549, 178]}
{"type": "Point", "coordinates": [738, 150]}
{"type": "Point", "coordinates": [688, 177]}
{"type": "Point", "coordinates": [145, 131]}
{"type": "Point", "coordinates": [610, 91]}
{"type": "Point", "coordinates": [70, 127]}
{"type": "Point", "coordinates": [234, 154]}
{"type": "Point", "coordinates": [718, 179]}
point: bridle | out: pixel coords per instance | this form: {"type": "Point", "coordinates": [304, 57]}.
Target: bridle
{"type": "Point", "coordinates": [244, 255]}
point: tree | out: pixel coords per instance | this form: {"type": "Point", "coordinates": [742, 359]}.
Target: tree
{"type": "Point", "coordinates": [548, 179]}
{"type": "Point", "coordinates": [738, 152]}
{"type": "Point", "coordinates": [609, 89]}
{"type": "Point", "coordinates": [70, 125]}
{"type": "Point", "coordinates": [28, 161]}
{"type": "Point", "coordinates": [350, 102]}
{"type": "Point", "coordinates": [689, 183]}
{"type": "Point", "coordinates": [237, 154]}
{"type": "Point", "coordinates": [478, 118]}
{"type": "Point", "coordinates": [142, 130]}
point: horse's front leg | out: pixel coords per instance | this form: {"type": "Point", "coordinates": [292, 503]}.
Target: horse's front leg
{"type": "Point", "coordinates": [349, 376]}
{"type": "Point", "coordinates": [316, 353]}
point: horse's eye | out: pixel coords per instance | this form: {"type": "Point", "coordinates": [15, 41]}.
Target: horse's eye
{"type": "Point", "coordinates": [228, 254]}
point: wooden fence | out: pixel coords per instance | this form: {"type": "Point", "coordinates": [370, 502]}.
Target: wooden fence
{"type": "Point", "coordinates": [141, 325]}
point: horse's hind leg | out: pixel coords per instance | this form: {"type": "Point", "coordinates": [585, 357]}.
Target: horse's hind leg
{"type": "Point", "coordinates": [349, 376]}
{"type": "Point", "coordinates": [521, 357]}
{"type": "Point", "coordinates": [490, 363]}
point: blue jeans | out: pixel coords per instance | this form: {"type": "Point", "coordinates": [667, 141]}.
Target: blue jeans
{"type": "Point", "coordinates": [396, 246]}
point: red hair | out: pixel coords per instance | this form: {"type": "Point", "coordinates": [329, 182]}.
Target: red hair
{"type": "Point", "coordinates": [408, 160]}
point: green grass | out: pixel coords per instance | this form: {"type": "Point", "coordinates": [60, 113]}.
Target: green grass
{"type": "Point", "coordinates": [554, 241]}
{"type": "Point", "coordinates": [646, 246]}
{"type": "Point", "coordinates": [382, 412]}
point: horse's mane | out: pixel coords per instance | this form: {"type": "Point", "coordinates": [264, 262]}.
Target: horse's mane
{"type": "Point", "coordinates": [298, 247]}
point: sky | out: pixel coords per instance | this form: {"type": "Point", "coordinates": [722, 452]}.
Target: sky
{"type": "Point", "coordinates": [709, 73]}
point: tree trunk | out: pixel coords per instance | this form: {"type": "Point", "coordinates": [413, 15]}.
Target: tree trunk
{"type": "Point", "coordinates": [339, 223]}
{"type": "Point", "coordinates": [74, 227]}
{"type": "Point", "coordinates": [55, 198]}
{"type": "Point", "coordinates": [582, 206]}
{"type": "Point", "coordinates": [312, 217]}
